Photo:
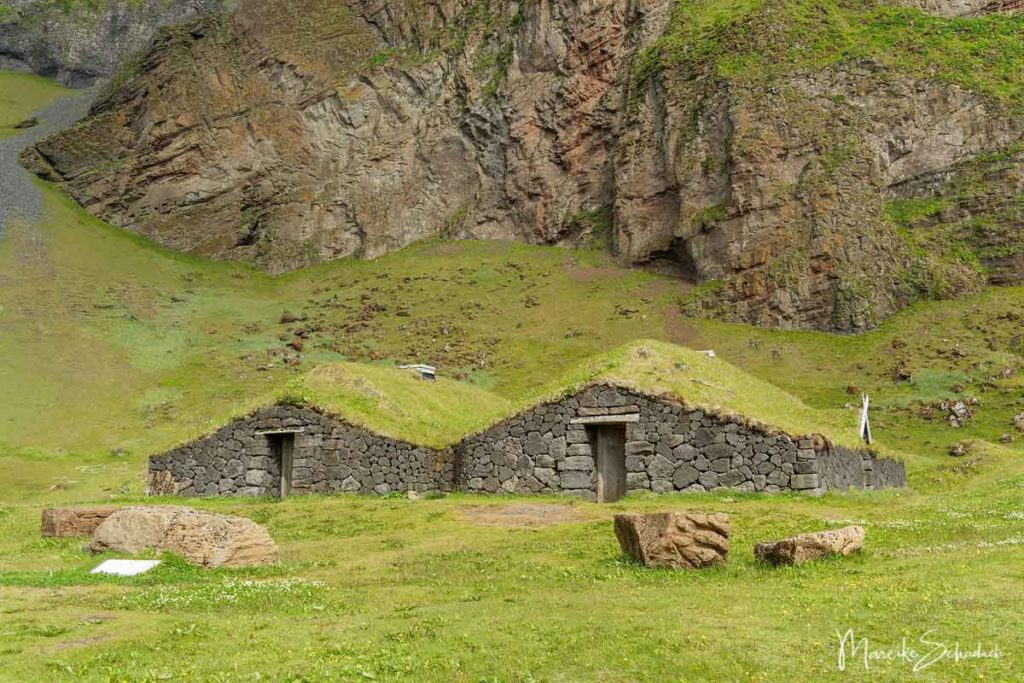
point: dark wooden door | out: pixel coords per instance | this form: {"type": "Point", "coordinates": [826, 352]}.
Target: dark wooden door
{"type": "Point", "coordinates": [287, 449]}
{"type": "Point", "coordinates": [611, 463]}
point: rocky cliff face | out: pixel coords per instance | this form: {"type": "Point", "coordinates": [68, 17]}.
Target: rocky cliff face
{"type": "Point", "coordinates": [790, 169]}
{"type": "Point", "coordinates": [75, 43]}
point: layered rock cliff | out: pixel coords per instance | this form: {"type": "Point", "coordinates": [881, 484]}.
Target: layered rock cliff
{"type": "Point", "coordinates": [75, 42]}
{"type": "Point", "coordinates": [808, 164]}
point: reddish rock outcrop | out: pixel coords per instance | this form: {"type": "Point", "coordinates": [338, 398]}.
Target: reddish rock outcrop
{"type": "Point", "coordinates": [74, 522]}
{"type": "Point", "coordinates": [674, 540]}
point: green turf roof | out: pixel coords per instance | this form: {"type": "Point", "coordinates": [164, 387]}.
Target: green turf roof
{"type": "Point", "coordinates": [709, 383]}
{"type": "Point", "coordinates": [397, 404]}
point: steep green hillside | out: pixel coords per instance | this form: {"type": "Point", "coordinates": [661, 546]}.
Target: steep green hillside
{"type": "Point", "coordinates": [129, 347]}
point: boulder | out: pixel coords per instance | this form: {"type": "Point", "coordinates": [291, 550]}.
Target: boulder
{"type": "Point", "coordinates": [800, 549]}
{"type": "Point", "coordinates": [674, 540]}
{"type": "Point", "coordinates": [74, 522]}
{"type": "Point", "coordinates": [202, 538]}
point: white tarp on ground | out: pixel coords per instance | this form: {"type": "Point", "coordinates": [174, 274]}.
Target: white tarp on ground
{"type": "Point", "coordinates": [125, 567]}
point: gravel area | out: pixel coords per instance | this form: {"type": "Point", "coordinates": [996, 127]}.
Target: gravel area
{"type": "Point", "coordinates": [19, 196]}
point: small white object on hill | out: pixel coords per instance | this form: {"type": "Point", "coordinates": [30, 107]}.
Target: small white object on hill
{"type": "Point", "coordinates": [710, 353]}
{"type": "Point", "coordinates": [125, 567]}
{"type": "Point", "coordinates": [427, 372]}
{"type": "Point", "coordinates": [865, 421]}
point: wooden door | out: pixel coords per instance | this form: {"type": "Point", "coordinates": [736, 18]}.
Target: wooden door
{"type": "Point", "coordinates": [287, 450]}
{"type": "Point", "coordinates": [611, 463]}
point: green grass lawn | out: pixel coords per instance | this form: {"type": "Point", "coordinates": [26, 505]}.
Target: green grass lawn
{"type": "Point", "coordinates": [21, 95]}
{"type": "Point", "coordinates": [392, 589]}
{"type": "Point", "coordinates": [114, 349]}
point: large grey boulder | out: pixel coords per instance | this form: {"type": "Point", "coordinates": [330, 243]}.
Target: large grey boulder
{"type": "Point", "coordinates": [805, 547]}
{"type": "Point", "coordinates": [674, 540]}
{"type": "Point", "coordinates": [202, 538]}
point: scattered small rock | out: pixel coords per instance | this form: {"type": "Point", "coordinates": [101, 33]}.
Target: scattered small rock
{"type": "Point", "coordinates": [960, 449]}
{"type": "Point", "coordinates": [27, 123]}
{"type": "Point", "coordinates": [805, 547]}
{"type": "Point", "coordinates": [1006, 438]}
{"type": "Point", "coordinates": [1018, 422]}
{"type": "Point", "coordinates": [287, 318]}
{"type": "Point", "coordinates": [960, 412]}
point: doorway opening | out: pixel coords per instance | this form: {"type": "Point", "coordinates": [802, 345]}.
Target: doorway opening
{"type": "Point", "coordinates": [282, 446]}
{"type": "Point", "coordinates": [609, 444]}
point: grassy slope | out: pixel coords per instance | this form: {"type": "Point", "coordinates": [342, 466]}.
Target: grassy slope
{"type": "Point", "coordinates": [111, 343]}
{"type": "Point", "coordinates": [758, 40]}
{"type": "Point", "coordinates": [131, 347]}
{"type": "Point", "coordinates": [21, 95]}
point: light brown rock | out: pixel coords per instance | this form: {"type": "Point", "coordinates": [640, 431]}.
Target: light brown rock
{"type": "Point", "coordinates": [202, 538]}
{"type": "Point", "coordinates": [805, 547]}
{"type": "Point", "coordinates": [161, 483]}
{"type": "Point", "coordinates": [74, 522]}
{"type": "Point", "coordinates": [675, 540]}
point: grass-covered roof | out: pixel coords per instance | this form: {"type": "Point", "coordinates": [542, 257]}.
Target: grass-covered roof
{"type": "Point", "coordinates": [397, 404]}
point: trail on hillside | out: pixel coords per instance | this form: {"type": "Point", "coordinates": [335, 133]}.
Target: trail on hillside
{"type": "Point", "coordinates": [18, 194]}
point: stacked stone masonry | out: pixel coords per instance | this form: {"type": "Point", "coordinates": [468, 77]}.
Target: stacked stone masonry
{"type": "Point", "coordinates": [668, 448]}
{"type": "Point", "coordinates": [547, 449]}
{"type": "Point", "coordinates": [329, 456]}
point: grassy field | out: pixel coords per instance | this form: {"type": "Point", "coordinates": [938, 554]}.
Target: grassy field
{"type": "Point", "coordinates": [21, 95]}
{"type": "Point", "coordinates": [113, 349]}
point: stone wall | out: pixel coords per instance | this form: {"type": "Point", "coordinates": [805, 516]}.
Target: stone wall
{"type": "Point", "coordinates": [668, 448]}
{"type": "Point", "coordinates": [329, 455]}
{"type": "Point", "coordinates": [547, 449]}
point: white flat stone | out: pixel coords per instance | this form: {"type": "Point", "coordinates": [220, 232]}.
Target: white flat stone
{"type": "Point", "coordinates": [125, 567]}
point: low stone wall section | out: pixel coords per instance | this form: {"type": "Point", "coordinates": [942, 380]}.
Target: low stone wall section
{"type": "Point", "coordinates": [329, 455]}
